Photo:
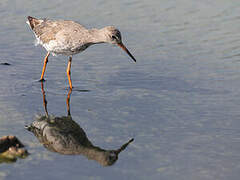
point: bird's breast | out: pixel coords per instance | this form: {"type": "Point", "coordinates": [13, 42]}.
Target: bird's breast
{"type": "Point", "coordinates": [66, 48]}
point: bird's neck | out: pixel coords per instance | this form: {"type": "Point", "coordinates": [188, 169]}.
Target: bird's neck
{"type": "Point", "coordinates": [97, 36]}
{"type": "Point", "coordinates": [93, 153]}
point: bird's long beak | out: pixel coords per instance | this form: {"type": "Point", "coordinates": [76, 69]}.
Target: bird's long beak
{"type": "Point", "coordinates": [123, 146]}
{"type": "Point", "coordinates": [121, 45]}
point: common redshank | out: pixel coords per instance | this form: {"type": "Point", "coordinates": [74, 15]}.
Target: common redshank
{"type": "Point", "coordinates": [69, 38]}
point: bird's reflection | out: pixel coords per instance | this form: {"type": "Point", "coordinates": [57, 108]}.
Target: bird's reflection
{"type": "Point", "coordinates": [63, 135]}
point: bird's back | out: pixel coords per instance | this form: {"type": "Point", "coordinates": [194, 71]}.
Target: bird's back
{"type": "Point", "coordinates": [60, 134]}
{"type": "Point", "coordinates": [60, 36]}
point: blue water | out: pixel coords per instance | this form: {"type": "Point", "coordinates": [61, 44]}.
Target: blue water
{"type": "Point", "coordinates": [180, 101]}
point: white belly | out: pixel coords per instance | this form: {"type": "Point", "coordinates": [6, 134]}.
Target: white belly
{"type": "Point", "coordinates": [56, 47]}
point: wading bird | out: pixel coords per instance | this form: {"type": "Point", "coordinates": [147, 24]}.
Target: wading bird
{"type": "Point", "coordinates": [69, 38]}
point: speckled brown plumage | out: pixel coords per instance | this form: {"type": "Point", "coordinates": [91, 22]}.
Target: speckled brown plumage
{"type": "Point", "coordinates": [69, 37]}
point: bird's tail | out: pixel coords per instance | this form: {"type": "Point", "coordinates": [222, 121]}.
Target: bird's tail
{"type": "Point", "coordinates": [32, 22]}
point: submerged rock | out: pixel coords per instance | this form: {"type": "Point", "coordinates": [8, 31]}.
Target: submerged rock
{"type": "Point", "coordinates": [11, 149]}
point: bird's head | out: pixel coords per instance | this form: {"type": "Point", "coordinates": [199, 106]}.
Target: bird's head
{"type": "Point", "coordinates": [113, 36]}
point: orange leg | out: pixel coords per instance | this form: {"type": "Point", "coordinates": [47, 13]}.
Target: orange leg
{"type": "Point", "coordinates": [44, 66]}
{"type": "Point", "coordinates": [69, 72]}
{"type": "Point", "coordinates": [44, 100]}
{"type": "Point", "coordinates": [68, 101]}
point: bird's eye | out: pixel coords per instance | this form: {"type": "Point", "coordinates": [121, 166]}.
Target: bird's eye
{"type": "Point", "coordinates": [114, 37]}
{"type": "Point", "coordinates": [112, 157]}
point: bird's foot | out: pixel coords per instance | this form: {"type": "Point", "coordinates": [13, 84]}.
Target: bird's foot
{"type": "Point", "coordinates": [41, 80]}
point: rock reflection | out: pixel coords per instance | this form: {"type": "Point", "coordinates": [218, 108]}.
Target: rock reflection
{"type": "Point", "coordinates": [63, 135]}
{"type": "Point", "coordinates": [11, 149]}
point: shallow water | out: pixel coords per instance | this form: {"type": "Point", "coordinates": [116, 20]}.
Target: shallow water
{"type": "Point", "coordinates": [180, 101]}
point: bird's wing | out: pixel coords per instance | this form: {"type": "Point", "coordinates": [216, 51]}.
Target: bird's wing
{"type": "Point", "coordinates": [65, 34]}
